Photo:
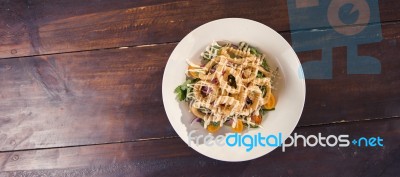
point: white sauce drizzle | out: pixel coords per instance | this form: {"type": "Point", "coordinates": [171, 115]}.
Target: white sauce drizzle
{"type": "Point", "coordinates": [213, 110]}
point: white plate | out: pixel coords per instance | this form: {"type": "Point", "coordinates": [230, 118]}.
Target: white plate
{"type": "Point", "coordinates": [290, 93]}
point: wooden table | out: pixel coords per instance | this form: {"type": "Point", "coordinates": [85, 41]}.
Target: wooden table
{"type": "Point", "coordinates": [80, 92]}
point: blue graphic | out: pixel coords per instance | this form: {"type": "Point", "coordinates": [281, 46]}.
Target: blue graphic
{"type": "Point", "coordinates": [368, 142]}
{"type": "Point", "coordinates": [354, 142]}
{"type": "Point", "coordinates": [344, 23]}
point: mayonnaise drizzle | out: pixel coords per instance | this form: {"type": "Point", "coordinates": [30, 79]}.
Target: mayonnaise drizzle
{"type": "Point", "coordinates": [231, 102]}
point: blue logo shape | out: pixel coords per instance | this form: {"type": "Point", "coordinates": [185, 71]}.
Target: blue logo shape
{"type": "Point", "coordinates": [335, 23]}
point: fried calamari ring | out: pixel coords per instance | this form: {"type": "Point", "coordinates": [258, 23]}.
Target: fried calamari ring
{"type": "Point", "coordinates": [265, 72]}
{"type": "Point", "coordinates": [254, 94]}
{"type": "Point", "coordinates": [225, 53]}
{"type": "Point", "coordinates": [208, 75]}
{"type": "Point", "coordinates": [267, 83]}
{"type": "Point", "coordinates": [261, 81]}
{"type": "Point", "coordinates": [223, 79]}
{"type": "Point", "coordinates": [268, 92]}
{"type": "Point", "coordinates": [194, 108]}
{"type": "Point", "coordinates": [205, 91]}
{"type": "Point", "coordinates": [226, 105]}
{"type": "Point", "coordinates": [249, 73]}
{"type": "Point", "coordinates": [238, 52]}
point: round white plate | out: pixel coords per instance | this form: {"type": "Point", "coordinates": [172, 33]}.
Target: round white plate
{"type": "Point", "coordinates": [290, 92]}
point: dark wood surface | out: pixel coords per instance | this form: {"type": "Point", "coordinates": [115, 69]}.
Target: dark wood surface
{"type": "Point", "coordinates": [43, 27]}
{"type": "Point", "coordinates": [172, 157]}
{"type": "Point", "coordinates": [74, 103]}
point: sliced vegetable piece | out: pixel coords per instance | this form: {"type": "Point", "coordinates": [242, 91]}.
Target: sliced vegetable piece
{"type": "Point", "coordinates": [239, 127]}
{"type": "Point", "coordinates": [192, 71]}
{"type": "Point", "coordinates": [256, 119]}
{"type": "Point", "coordinates": [271, 102]}
{"type": "Point", "coordinates": [212, 127]}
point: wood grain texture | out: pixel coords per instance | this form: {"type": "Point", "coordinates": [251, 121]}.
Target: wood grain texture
{"type": "Point", "coordinates": [114, 95]}
{"type": "Point", "coordinates": [172, 157]}
{"type": "Point", "coordinates": [73, 103]}
{"type": "Point", "coordinates": [83, 98]}
{"type": "Point", "coordinates": [44, 27]}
